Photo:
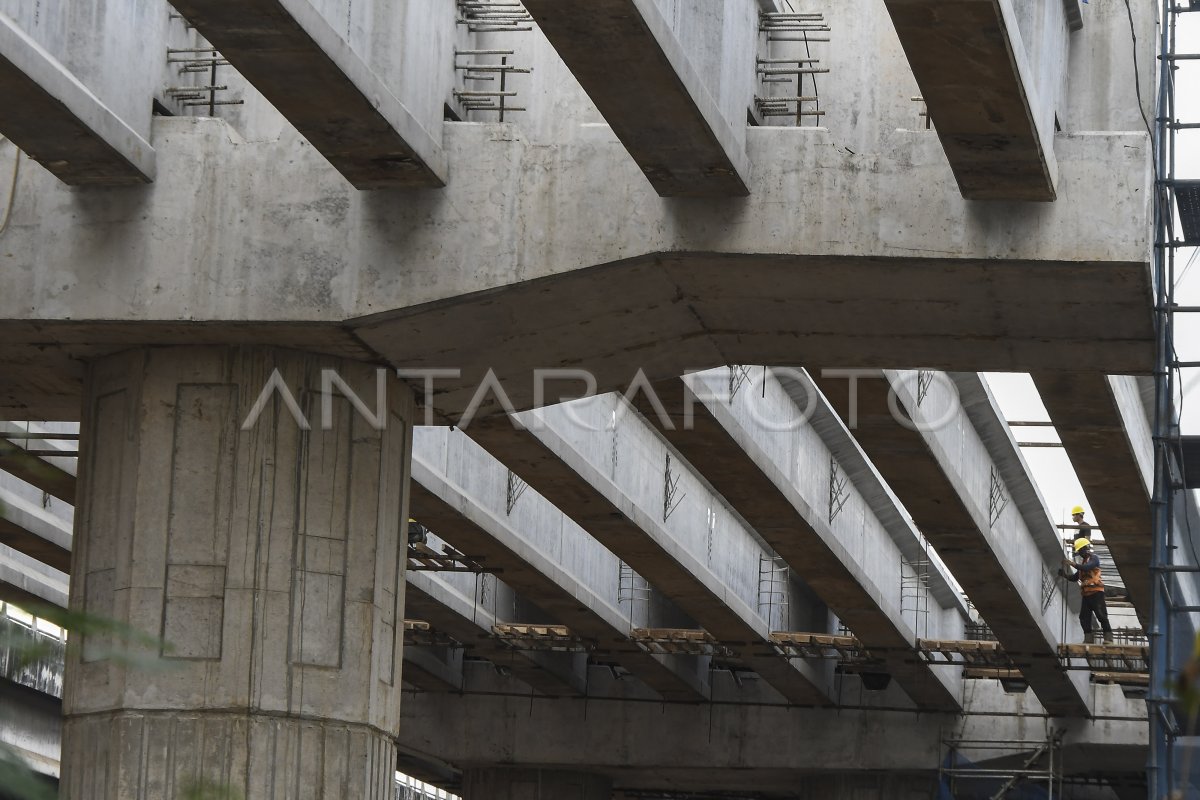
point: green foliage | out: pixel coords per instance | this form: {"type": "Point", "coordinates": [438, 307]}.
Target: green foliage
{"type": "Point", "coordinates": [199, 789]}
{"type": "Point", "coordinates": [1187, 685]}
{"type": "Point", "coordinates": [125, 645]}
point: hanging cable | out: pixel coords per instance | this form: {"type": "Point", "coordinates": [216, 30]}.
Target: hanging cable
{"type": "Point", "coordinates": [1137, 78]}
{"type": "Point", "coordinates": [1191, 260]}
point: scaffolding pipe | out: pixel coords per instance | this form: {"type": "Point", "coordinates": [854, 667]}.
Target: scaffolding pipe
{"type": "Point", "coordinates": [1159, 767]}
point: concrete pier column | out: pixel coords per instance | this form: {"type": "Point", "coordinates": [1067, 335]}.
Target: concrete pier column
{"type": "Point", "coordinates": [243, 507]}
{"type": "Point", "coordinates": [534, 784]}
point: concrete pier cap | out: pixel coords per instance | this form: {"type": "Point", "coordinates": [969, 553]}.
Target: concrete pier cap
{"type": "Point", "coordinates": [785, 277]}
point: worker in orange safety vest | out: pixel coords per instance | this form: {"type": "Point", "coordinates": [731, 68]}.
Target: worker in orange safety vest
{"type": "Point", "coordinates": [1086, 572]}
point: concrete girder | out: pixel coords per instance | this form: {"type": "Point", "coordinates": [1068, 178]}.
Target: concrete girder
{"type": "Point", "coordinates": [28, 583]}
{"type": "Point", "coordinates": [1103, 428]}
{"type": "Point", "coordinates": [1001, 445]}
{"type": "Point", "coordinates": [341, 106]}
{"type": "Point", "coordinates": [762, 747]}
{"type": "Point", "coordinates": [31, 726]}
{"type": "Point", "coordinates": [432, 599]}
{"type": "Point", "coordinates": [650, 93]}
{"type": "Point", "coordinates": [30, 529]}
{"type": "Point", "coordinates": [950, 480]}
{"type": "Point", "coordinates": [868, 483]}
{"type": "Point", "coordinates": [978, 85]}
{"type": "Point", "coordinates": [543, 456]}
{"type": "Point", "coordinates": [25, 578]}
{"type": "Point", "coordinates": [746, 465]}
{"type": "Point", "coordinates": [459, 518]}
{"type": "Point", "coordinates": [51, 116]}
{"type": "Point", "coordinates": [53, 475]}
{"type": "Point", "coordinates": [433, 668]}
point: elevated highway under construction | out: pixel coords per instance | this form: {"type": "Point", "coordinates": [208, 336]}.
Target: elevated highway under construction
{"type": "Point", "coordinates": [585, 400]}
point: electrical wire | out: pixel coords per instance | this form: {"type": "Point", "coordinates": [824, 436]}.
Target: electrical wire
{"type": "Point", "coordinates": [1137, 88]}
{"type": "Point", "coordinates": [1191, 260]}
{"type": "Point", "coordinates": [742, 705]}
{"type": "Point", "coordinates": [1137, 78]}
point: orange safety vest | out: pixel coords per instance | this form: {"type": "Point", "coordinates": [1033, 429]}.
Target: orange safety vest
{"type": "Point", "coordinates": [1090, 581]}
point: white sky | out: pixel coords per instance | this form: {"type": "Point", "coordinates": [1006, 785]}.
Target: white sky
{"type": "Point", "coordinates": [1187, 165]}
{"type": "Point", "coordinates": [1051, 469]}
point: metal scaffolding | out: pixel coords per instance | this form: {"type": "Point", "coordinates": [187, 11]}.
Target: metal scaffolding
{"type": "Point", "coordinates": [1174, 577]}
{"type": "Point", "coordinates": [555, 638]}
{"type": "Point", "coordinates": [915, 589]}
{"type": "Point", "coordinates": [423, 558]}
{"type": "Point", "coordinates": [633, 592]}
{"type": "Point", "coordinates": [1124, 664]}
{"type": "Point", "coordinates": [773, 573]}
{"type": "Point", "coordinates": [1006, 768]}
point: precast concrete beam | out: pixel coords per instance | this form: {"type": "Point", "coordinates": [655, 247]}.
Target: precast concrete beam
{"type": "Point", "coordinates": [54, 475]}
{"type": "Point", "coordinates": [868, 484]}
{"type": "Point", "coordinates": [31, 726]}
{"type": "Point", "coordinates": [648, 91]}
{"type": "Point", "coordinates": [949, 480]}
{"type": "Point", "coordinates": [30, 529]}
{"type": "Point", "coordinates": [313, 77]}
{"type": "Point", "coordinates": [1009, 464]}
{"type": "Point", "coordinates": [765, 748]}
{"type": "Point", "coordinates": [541, 455]}
{"type": "Point", "coordinates": [454, 515]}
{"type": "Point", "coordinates": [1104, 431]}
{"type": "Point", "coordinates": [29, 584]}
{"type": "Point", "coordinates": [446, 609]}
{"type": "Point", "coordinates": [746, 465]}
{"type": "Point", "coordinates": [978, 85]}
{"type": "Point", "coordinates": [433, 668]}
{"type": "Point", "coordinates": [57, 121]}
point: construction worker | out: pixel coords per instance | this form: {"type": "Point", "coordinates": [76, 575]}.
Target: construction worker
{"type": "Point", "coordinates": [1085, 528]}
{"type": "Point", "coordinates": [1086, 571]}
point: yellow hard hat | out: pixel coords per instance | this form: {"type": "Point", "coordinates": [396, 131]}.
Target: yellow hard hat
{"type": "Point", "coordinates": [1076, 510]}
{"type": "Point", "coordinates": [1081, 543]}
